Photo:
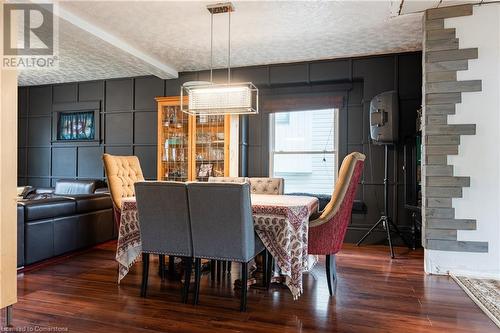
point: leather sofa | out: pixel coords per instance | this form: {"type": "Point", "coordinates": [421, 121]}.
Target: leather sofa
{"type": "Point", "coordinates": [74, 215]}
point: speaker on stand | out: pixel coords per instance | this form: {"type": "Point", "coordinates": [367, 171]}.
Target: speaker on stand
{"type": "Point", "coordinates": [384, 131]}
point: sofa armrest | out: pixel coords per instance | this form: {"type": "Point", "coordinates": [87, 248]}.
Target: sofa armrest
{"type": "Point", "coordinates": [20, 235]}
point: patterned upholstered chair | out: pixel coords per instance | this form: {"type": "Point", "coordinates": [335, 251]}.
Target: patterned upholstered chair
{"type": "Point", "coordinates": [266, 185]}
{"type": "Point", "coordinates": [122, 172]}
{"type": "Point", "coordinates": [165, 226]}
{"type": "Point", "coordinates": [327, 231]}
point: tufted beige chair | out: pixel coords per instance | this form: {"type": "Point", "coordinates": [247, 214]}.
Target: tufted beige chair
{"type": "Point", "coordinates": [122, 172]}
{"type": "Point", "coordinates": [227, 179]}
{"type": "Point", "coordinates": [266, 185]}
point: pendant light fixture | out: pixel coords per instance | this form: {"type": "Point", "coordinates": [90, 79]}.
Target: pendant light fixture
{"type": "Point", "coordinates": [209, 98]}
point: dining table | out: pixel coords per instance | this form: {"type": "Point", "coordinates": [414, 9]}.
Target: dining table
{"type": "Point", "coordinates": [281, 222]}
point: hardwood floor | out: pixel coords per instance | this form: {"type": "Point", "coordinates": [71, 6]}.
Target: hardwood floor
{"type": "Point", "coordinates": [375, 294]}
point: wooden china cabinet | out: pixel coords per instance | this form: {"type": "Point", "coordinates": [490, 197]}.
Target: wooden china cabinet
{"type": "Point", "coordinates": [195, 147]}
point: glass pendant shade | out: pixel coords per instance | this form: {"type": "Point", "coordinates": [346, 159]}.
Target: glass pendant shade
{"type": "Point", "coordinates": [207, 98]}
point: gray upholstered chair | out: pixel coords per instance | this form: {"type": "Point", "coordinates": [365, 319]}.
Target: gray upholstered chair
{"type": "Point", "coordinates": [165, 226]}
{"type": "Point", "coordinates": [266, 185]}
{"type": "Point", "coordinates": [217, 266]}
{"type": "Point", "coordinates": [222, 227]}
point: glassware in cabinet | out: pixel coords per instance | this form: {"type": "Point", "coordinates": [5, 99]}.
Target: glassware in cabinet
{"type": "Point", "coordinates": [173, 145]}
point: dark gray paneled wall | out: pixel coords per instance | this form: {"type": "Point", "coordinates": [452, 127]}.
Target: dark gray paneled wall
{"type": "Point", "coordinates": [129, 122]}
{"type": "Point", "coordinates": [128, 126]}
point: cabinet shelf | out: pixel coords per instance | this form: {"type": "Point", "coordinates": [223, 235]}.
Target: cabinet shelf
{"type": "Point", "coordinates": [215, 142]}
{"type": "Point", "coordinates": [209, 161]}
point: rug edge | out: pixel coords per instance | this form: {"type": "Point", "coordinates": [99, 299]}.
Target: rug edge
{"type": "Point", "coordinates": [476, 300]}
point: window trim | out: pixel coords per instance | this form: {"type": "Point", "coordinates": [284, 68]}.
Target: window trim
{"type": "Point", "coordinates": [335, 151]}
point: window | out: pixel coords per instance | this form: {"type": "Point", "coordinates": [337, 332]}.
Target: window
{"type": "Point", "coordinates": [304, 150]}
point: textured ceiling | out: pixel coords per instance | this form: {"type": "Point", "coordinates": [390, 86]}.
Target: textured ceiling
{"type": "Point", "coordinates": [84, 57]}
{"type": "Point", "coordinates": [178, 34]}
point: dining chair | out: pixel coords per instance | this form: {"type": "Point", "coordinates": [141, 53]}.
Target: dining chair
{"type": "Point", "coordinates": [327, 231]}
{"type": "Point", "coordinates": [227, 179]}
{"type": "Point", "coordinates": [222, 228]}
{"type": "Point", "coordinates": [259, 185]}
{"type": "Point", "coordinates": [165, 227]}
{"type": "Point", "coordinates": [218, 267]}
{"type": "Point", "coordinates": [121, 172]}
{"type": "Point", "coordinates": [272, 186]}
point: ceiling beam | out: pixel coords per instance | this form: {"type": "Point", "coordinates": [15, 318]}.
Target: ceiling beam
{"type": "Point", "coordinates": [156, 67]}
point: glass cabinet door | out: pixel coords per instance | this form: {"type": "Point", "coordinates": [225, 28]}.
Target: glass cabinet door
{"type": "Point", "coordinates": [209, 147]}
{"type": "Point", "coordinates": [174, 143]}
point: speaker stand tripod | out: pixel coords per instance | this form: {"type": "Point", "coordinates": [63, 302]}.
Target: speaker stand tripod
{"type": "Point", "coordinates": [385, 220]}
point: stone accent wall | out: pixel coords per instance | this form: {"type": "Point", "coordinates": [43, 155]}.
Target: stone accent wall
{"type": "Point", "coordinates": [442, 58]}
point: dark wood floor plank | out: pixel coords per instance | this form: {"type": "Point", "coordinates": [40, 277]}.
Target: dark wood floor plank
{"type": "Point", "coordinates": [374, 294]}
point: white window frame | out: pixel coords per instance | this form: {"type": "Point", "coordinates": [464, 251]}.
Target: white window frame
{"type": "Point", "coordinates": [335, 150]}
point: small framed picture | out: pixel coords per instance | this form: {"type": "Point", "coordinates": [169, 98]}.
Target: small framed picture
{"type": "Point", "coordinates": [205, 170]}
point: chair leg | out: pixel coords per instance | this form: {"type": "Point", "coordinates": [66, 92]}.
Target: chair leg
{"type": "Point", "coordinates": [331, 274]}
{"type": "Point", "coordinates": [171, 267]}
{"type": "Point", "coordinates": [265, 258]}
{"type": "Point", "coordinates": [224, 267]}
{"type": "Point", "coordinates": [269, 269]}
{"type": "Point", "coordinates": [219, 270]}
{"type": "Point", "coordinates": [145, 273]}
{"type": "Point", "coordinates": [197, 275]}
{"type": "Point", "coordinates": [244, 286]}
{"type": "Point", "coordinates": [213, 268]}
{"type": "Point", "coordinates": [161, 266]}
{"type": "Point", "coordinates": [188, 266]}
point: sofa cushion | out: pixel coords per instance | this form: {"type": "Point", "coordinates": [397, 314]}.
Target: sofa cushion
{"type": "Point", "coordinates": [71, 186]}
{"type": "Point", "coordinates": [91, 202]}
{"type": "Point", "coordinates": [102, 190]}
{"type": "Point", "coordinates": [47, 208]}
{"type": "Point", "coordinates": [39, 241]}
{"type": "Point", "coordinates": [44, 190]}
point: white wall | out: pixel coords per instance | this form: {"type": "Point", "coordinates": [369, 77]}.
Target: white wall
{"type": "Point", "coordinates": [479, 155]}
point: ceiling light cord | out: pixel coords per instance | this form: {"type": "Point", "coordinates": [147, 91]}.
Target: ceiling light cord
{"type": "Point", "coordinates": [229, 48]}
{"type": "Point", "coordinates": [211, 46]}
